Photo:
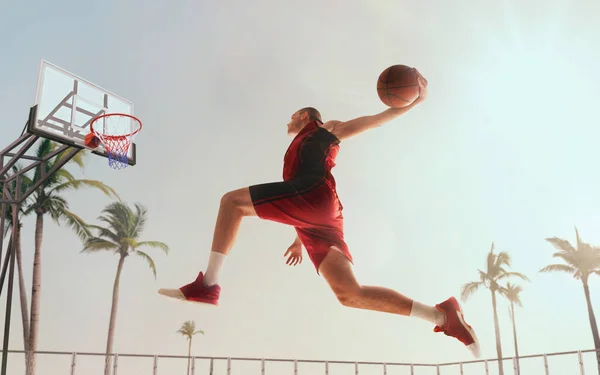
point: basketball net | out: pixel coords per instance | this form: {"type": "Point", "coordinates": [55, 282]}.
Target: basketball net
{"type": "Point", "coordinates": [116, 131]}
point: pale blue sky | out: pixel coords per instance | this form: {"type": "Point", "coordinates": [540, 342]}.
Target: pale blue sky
{"type": "Point", "coordinates": [505, 150]}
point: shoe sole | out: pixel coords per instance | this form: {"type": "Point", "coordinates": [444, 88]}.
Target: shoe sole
{"type": "Point", "coordinates": [474, 347]}
{"type": "Point", "coordinates": [177, 295]}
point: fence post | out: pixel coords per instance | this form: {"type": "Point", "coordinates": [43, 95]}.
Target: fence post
{"type": "Point", "coordinates": [155, 366]}
{"type": "Point", "coordinates": [193, 365]}
{"type": "Point", "coordinates": [546, 365]}
{"type": "Point", "coordinates": [212, 366]}
{"type": "Point", "coordinates": [295, 367]}
{"type": "Point", "coordinates": [116, 358]}
{"type": "Point", "coordinates": [412, 369]}
{"type": "Point", "coordinates": [262, 366]}
{"type": "Point", "coordinates": [487, 368]}
{"type": "Point", "coordinates": [355, 368]}
{"type": "Point", "coordinates": [73, 363]}
{"type": "Point", "coordinates": [437, 371]}
{"type": "Point", "coordinates": [460, 365]}
{"type": "Point", "coordinates": [228, 365]}
{"type": "Point", "coordinates": [580, 358]}
{"type": "Point", "coordinates": [326, 368]}
{"type": "Point", "coordinates": [384, 369]}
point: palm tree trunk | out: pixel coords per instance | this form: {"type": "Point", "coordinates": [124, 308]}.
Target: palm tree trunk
{"type": "Point", "coordinates": [23, 298]}
{"type": "Point", "coordinates": [36, 285]}
{"type": "Point", "coordinates": [498, 342]}
{"type": "Point", "coordinates": [512, 314]}
{"type": "Point", "coordinates": [113, 316]}
{"type": "Point", "coordinates": [189, 355]}
{"type": "Point", "coordinates": [593, 324]}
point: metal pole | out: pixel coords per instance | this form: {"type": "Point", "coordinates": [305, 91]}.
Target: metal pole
{"type": "Point", "coordinates": [326, 368]}
{"type": "Point", "coordinates": [460, 365]}
{"type": "Point", "coordinates": [412, 369]}
{"type": "Point", "coordinates": [193, 365]}
{"type": "Point", "coordinates": [115, 366]}
{"type": "Point", "coordinates": [384, 369]}
{"type": "Point", "coordinates": [487, 368]}
{"type": "Point", "coordinates": [155, 367]}
{"type": "Point", "coordinates": [11, 277]}
{"type": "Point", "coordinates": [437, 369]}
{"type": "Point", "coordinates": [295, 367]}
{"type": "Point", "coordinates": [515, 371]}
{"type": "Point", "coordinates": [580, 358]}
{"type": "Point", "coordinates": [262, 366]}
{"type": "Point", "coordinates": [229, 366]}
{"type": "Point", "coordinates": [73, 363]}
{"type": "Point", "coordinates": [546, 369]}
{"type": "Point", "coordinates": [212, 366]}
{"type": "Point", "coordinates": [355, 368]}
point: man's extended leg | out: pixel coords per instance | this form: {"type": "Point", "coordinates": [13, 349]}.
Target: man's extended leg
{"type": "Point", "coordinates": [234, 206]}
{"type": "Point", "coordinates": [447, 316]}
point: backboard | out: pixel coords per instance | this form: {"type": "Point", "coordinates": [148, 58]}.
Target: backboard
{"type": "Point", "coordinates": [67, 104]}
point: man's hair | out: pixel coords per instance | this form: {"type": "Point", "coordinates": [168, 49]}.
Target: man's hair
{"type": "Point", "coordinates": [313, 114]}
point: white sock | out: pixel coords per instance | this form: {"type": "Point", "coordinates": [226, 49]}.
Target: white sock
{"type": "Point", "coordinates": [215, 265]}
{"type": "Point", "coordinates": [428, 313]}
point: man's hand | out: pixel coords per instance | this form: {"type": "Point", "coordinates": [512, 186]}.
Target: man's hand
{"type": "Point", "coordinates": [294, 254]}
{"type": "Point", "coordinates": [344, 130]}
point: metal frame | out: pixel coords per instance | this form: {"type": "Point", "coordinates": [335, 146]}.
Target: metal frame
{"type": "Point", "coordinates": [33, 124]}
{"type": "Point", "coordinates": [23, 143]}
{"type": "Point", "coordinates": [415, 368]}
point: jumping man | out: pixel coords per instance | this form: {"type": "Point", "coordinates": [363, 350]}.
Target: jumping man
{"type": "Point", "coordinates": [307, 200]}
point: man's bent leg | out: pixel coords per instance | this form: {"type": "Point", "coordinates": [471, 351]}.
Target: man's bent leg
{"type": "Point", "coordinates": [447, 316]}
{"type": "Point", "coordinates": [233, 207]}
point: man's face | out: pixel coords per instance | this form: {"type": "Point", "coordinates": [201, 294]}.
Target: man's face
{"type": "Point", "coordinates": [296, 123]}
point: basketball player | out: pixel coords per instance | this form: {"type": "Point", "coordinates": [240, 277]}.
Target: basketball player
{"type": "Point", "coordinates": [307, 200]}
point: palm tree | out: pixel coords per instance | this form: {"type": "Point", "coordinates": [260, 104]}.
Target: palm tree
{"type": "Point", "coordinates": [495, 273]}
{"type": "Point", "coordinates": [121, 236]}
{"type": "Point", "coordinates": [188, 329]}
{"type": "Point", "coordinates": [581, 262]}
{"type": "Point", "coordinates": [47, 199]}
{"type": "Point", "coordinates": [512, 293]}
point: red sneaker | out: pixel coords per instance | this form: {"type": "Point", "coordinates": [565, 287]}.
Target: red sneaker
{"type": "Point", "coordinates": [455, 325]}
{"type": "Point", "coordinates": [195, 292]}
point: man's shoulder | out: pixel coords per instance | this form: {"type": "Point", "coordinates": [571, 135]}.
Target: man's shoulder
{"type": "Point", "coordinates": [330, 125]}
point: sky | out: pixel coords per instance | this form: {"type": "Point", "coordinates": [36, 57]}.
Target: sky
{"type": "Point", "coordinates": [504, 150]}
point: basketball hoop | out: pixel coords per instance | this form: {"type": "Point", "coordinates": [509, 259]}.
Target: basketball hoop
{"type": "Point", "coordinates": [116, 131]}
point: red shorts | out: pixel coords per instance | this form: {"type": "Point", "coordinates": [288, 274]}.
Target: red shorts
{"type": "Point", "coordinates": [311, 206]}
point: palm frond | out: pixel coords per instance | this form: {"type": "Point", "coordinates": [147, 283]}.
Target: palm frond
{"type": "Point", "coordinates": [95, 244]}
{"type": "Point", "coordinates": [139, 220]}
{"type": "Point", "coordinates": [506, 275]}
{"type": "Point", "coordinates": [560, 244]}
{"type": "Point", "coordinates": [148, 260]}
{"type": "Point", "coordinates": [73, 184]}
{"type": "Point", "coordinates": [559, 268]}
{"type": "Point", "coordinates": [155, 244]}
{"type": "Point", "coordinates": [199, 332]}
{"type": "Point", "coordinates": [105, 232]}
{"type": "Point", "coordinates": [468, 289]}
{"type": "Point", "coordinates": [77, 224]}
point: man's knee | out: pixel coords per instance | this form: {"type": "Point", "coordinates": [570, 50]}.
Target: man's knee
{"type": "Point", "coordinates": [238, 200]}
{"type": "Point", "coordinates": [349, 296]}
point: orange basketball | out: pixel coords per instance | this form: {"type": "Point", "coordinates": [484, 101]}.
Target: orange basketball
{"type": "Point", "coordinates": [398, 86]}
{"type": "Point", "coordinates": [92, 141]}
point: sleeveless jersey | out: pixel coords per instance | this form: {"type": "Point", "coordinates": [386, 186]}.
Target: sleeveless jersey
{"type": "Point", "coordinates": [312, 153]}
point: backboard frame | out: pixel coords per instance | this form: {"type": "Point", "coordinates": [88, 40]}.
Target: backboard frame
{"type": "Point", "coordinates": [68, 132]}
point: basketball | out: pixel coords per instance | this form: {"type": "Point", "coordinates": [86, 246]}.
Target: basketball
{"type": "Point", "coordinates": [92, 141]}
{"type": "Point", "coordinates": [398, 86]}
